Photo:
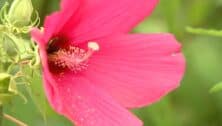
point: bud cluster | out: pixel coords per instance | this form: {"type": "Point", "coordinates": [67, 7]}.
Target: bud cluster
{"type": "Point", "coordinates": [16, 51]}
{"type": "Point", "coordinates": [18, 17]}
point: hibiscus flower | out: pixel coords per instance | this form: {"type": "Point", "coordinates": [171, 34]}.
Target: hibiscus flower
{"type": "Point", "coordinates": [94, 70]}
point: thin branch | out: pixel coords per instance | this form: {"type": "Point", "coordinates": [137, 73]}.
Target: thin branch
{"type": "Point", "coordinates": [16, 121]}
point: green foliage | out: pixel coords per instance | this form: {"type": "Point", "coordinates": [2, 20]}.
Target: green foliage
{"type": "Point", "coordinates": [2, 2]}
{"type": "Point", "coordinates": [216, 88]}
{"type": "Point", "coordinates": [6, 94]}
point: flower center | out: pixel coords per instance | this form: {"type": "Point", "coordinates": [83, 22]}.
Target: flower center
{"type": "Point", "coordinates": [73, 58]}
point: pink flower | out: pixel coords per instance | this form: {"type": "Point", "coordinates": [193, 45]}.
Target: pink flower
{"type": "Point", "coordinates": [94, 71]}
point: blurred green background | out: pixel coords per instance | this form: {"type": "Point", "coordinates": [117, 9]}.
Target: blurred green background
{"type": "Point", "coordinates": [191, 104]}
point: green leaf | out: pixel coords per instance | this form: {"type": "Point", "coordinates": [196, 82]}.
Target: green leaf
{"type": "Point", "coordinates": [2, 2]}
{"type": "Point", "coordinates": [216, 88]}
{"type": "Point", "coordinates": [210, 32]}
{"type": "Point", "coordinates": [36, 91]}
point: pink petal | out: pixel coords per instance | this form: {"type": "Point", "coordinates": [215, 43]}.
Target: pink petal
{"type": "Point", "coordinates": [87, 105]}
{"type": "Point", "coordinates": [98, 18]}
{"type": "Point", "coordinates": [55, 22]}
{"type": "Point", "coordinates": [49, 82]}
{"type": "Point", "coordinates": [76, 98]}
{"type": "Point", "coordinates": [137, 70]}
{"type": "Point", "coordinates": [38, 36]}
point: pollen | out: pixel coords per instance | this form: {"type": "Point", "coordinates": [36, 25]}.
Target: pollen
{"type": "Point", "coordinates": [73, 58]}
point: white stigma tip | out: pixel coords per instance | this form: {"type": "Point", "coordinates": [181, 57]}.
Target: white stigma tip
{"type": "Point", "coordinates": [93, 45]}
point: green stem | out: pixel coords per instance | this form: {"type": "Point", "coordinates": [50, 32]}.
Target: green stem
{"type": "Point", "coordinates": [13, 119]}
{"type": "Point", "coordinates": [1, 115]}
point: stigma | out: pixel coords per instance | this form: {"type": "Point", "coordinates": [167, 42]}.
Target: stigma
{"type": "Point", "coordinates": [73, 58]}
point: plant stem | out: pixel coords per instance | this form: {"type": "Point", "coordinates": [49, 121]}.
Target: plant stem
{"type": "Point", "coordinates": [13, 119]}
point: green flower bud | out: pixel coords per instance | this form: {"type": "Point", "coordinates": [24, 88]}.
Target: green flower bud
{"type": "Point", "coordinates": [6, 98]}
{"type": "Point", "coordinates": [20, 12]}
{"type": "Point", "coordinates": [5, 93]}
{"type": "Point", "coordinates": [4, 82]}
{"type": "Point", "coordinates": [9, 46]}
